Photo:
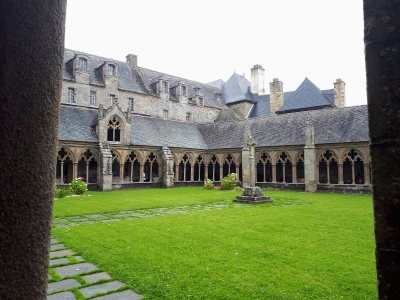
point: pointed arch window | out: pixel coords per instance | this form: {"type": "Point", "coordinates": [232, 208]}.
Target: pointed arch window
{"type": "Point", "coordinates": [114, 129]}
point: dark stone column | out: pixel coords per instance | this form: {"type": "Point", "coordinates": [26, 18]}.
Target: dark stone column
{"type": "Point", "coordinates": [382, 51]}
{"type": "Point", "coordinates": [31, 57]}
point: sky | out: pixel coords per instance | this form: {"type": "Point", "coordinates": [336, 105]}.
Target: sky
{"type": "Point", "coordinates": [209, 40]}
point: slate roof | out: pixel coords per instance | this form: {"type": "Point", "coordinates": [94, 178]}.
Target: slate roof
{"type": "Point", "coordinates": [218, 83]}
{"type": "Point", "coordinates": [149, 131]}
{"type": "Point", "coordinates": [338, 125]}
{"type": "Point", "coordinates": [226, 115]}
{"type": "Point", "coordinates": [262, 106]}
{"type": "Point", "coordinates": [77, 124]}
{"type": "Point", "coordinates": [126, 80]}
{"type": "Point", "coordinates": [306, 97]}
{"type": "Point", "coordinates": [207, 91]}
{"type": "Point", "coordinates": [237, 89]}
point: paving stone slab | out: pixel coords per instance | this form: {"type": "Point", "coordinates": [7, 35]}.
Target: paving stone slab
{"type": "Point", "coordinates": [73, 224]}
{"type": "Point", "coordinates": [56, 247]}
{"type": "Point", "coordinates": [62, 220]}
{"type": "Point", "coordinates": [62, 226]}
{"type": "Point", "coordinates": [96, 277]}
{"type": "Point", "coordinates": [61, 253]}
{"type": "Point", "coordinates": [54, 241]}
{"type": "Point", "coordinates": [96, 216]}
{"type": "Point", "coordinates": [59, 261]}
{"type": "Point", "coordinates": [75, 269]}
{"type": "Point", "coordinates": [110, 220]}
{"type": "Point", "coordinates": [62, 296]}
{"type": "Point", "coordinates": [124, 295]}
{"type": "Point", "coordinates": [79, 258]}
{"type": "Point", "coordinates": [101, 288]}
{"type": "Point", "coordinates": [62, 285]}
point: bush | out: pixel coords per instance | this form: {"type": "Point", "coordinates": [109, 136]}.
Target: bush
{"type": "Point", "coordinates": [208, 184]}
{"type": "Point", "coordinates": [61, 192]}
{"type": "Point", "coordinates": [77, 186]}
{"type": "Point", "coordinates": [229, 182]}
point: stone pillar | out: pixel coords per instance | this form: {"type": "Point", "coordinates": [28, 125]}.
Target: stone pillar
{"type": "Point", "coordinates": [245, 167]}
{"type": "Point", "coordinates": [340, 173]}
{"type": "Point", "coordinates": [62, 172]}
{"type": "Point", "coordinates": [283, 173]}
{"type": "Point", "coordinates": [105, 168]}
{"type": "Point", "coordinates": [251, 163]}
{"type": "Point", "coordinates": [74, 170]}
{"type": "Point", "coordinates": [141, 172]}
{"type": "Point", "coordinates": [192, 172]}
{"type": "Point", "coordinates": [274, 173]}
{"type": "Point", "coordinates": [32, 35]}
{"type": "Point", "coordinates": [167, 168]}
{"type": "Point", "coordinates": [367, 180]}
{"type": "Point", "coordinates": [352, 173]}
{"type": "Point", "coordinates": [294, 173]}
{"type": "Point", "coordinates": [121, 172]}
{"type": "Point", "coordinates": [310, 170]}
{"type": "Point", "coordinates": [184, 172]}
{"type": "Point", "coordinates": [221, 172]}
{"type": "Point", "coordinates": [176, 172]}
{"type": "Point", "coordinates": [205, 171]}
{"type": "Point", "coordinates": [328, 180]}
{"type": "Point", "coordinates": [382, 48]}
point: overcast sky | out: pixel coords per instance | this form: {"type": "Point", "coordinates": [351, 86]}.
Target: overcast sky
{"type": "Point", "coordinates": [209, 40]}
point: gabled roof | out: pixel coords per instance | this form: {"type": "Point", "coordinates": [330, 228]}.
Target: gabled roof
{"type": "Point", "coordinates": [262, 106]}
{"type": "Point", "coordinates": [306, 97]}
{"type": "Point", "coordinates": [77, 124]}
{"type": "Point", "coordinates": [227, 115]}
{"type": "Point", "coordinates": [237, 89]}
{"type": "Point", "coordinates": [209, 92]}
{"type": "Point", "coordinates": [218, 83]}
{"type": "Point", "coordinates": [126, 81]}
{"type": "Point", "coordinates": [339, 125]}
{"type": "Point", "coordinates": [148, 131]}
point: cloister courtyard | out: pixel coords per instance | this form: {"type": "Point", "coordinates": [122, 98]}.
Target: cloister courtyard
{"type": "Point", "coordinates": [194, 243]}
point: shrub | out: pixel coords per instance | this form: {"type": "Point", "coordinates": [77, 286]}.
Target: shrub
{"type": "Point", "coordinates": [61, 192]}
{"type": "Point", "coordinates": [208, 184]}
{"type": "Point", "coordinates": [229, 182]}
{"type": "Point", "coordinates": [77, 186]}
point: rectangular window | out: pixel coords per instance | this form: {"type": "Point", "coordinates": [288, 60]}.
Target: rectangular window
{"type": "Point", "coordinates": [165, 114]}
{"type": "Point", "coordinates": [164, 86]}
{"type": "Point", "coordinates": [71, 95]}
{"type": "Point", "coordinates": [183, 90]}
{"type": "Point", "coordinates": [82, 63]}
{"type": "Point", "coordinates": [111, 70]}
{"type": "Point", "coordinates": [188, 115]}
{"type": "Point", "coordinates": [130, 103]}
{"type": "Point", "coordinates": [200, 102]}
{"type": "Point", "coordinates": [92, 98]}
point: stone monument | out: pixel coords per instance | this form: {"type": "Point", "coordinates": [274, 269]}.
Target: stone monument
{"type": "Point", "coordinates": [310, 174]}
{"type": "Point", "coordinates": [252, 194]}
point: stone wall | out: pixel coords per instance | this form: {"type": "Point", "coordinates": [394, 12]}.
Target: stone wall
{"type": "Point", "coordinates": [242, 108]}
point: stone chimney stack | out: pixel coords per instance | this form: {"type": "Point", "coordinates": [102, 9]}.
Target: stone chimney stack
{"type": "Point", "coordinates": [131, 59]}
{"type": "Point", "coordinates": [257, 80]}
{"type": "Point", "coordinates": [340, 95]}
{"type": "Point", "coordinates": [276, 95]}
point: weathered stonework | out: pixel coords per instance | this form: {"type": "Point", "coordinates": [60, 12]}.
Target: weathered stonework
{"type": "Point", "coordinates": [242, 108]}
{"type": "Point", "coordinates": [276, 95]}
{"type": "Point", "coordinates": [339, 93]}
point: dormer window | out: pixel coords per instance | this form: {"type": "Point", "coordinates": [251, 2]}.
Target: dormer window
{"type": "Point", "coordinates": [165, 114]}
{"type": "Point", "coordinates": [111, 70]}
{"type": "Point", "coordinates": [183, 90]}
{"type": "Point", "coordinates": [82, 63]}
{"type": "Point", "coordinates": [130, 104]}
{"type": "Point", "coordinates": [164, 86]}
{"type": "Point", "coordinates": [92, 98]}
{"type": "Point", "coordinates": [200, 101]}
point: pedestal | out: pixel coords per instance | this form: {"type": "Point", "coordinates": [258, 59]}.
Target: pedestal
{"type": "Point", "coordinates": [253, 195]}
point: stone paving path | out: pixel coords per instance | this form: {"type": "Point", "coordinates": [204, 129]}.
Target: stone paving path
{"type": "Point", "coordinates": [70, 276]}
{"type": "Point", "coordinates": [136, 214]}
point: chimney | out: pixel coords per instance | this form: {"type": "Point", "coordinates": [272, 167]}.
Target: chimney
{"type": "Point", "coordinates": [257, 80]}
{"type": "Point", "coordinates": [276, 95]}
{"type": "Point", "coordinates": [131, 59]}
{"type": "Point", "coordinates": [339, 91]}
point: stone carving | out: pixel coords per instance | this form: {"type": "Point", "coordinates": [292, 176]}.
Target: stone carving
{"type": "Point", "coordinates": [309, 142]}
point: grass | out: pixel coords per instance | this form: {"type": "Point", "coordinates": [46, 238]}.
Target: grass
{"type": "Point", "coordinates": [302, 246]}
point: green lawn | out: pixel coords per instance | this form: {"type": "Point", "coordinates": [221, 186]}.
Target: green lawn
{"type": "Point", "coordinates": [302, 246]}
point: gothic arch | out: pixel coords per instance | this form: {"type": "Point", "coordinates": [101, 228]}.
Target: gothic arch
{"type": "Point", "coordinates": [132, 163]}
{"type": "Point", "coordinates": [87, 165]}
{"type": "Point", "coordinates": [185, 166]}
{"type": "Point", "coordinates": [229, 164]}
{"type": "Point", "coordinates": [115, 129]}
{"type": "Point", "coordinates": [353, 166]}
{"type": "Point", "coordinates": [328, 168]}
{"type": "Point", "coordinates": [64, 167]}
{"type": "Point", "coordinates": [199, 167]}
{"type": "Point", "coordinates": [214, 167]}
{"type": "Point", "coordinates": [263, 167]}
{"type": "Point", "coordinates": [151, 167]}
{"type": "Point", "coordinates": [298, 167]}
{"type": "Point", "coordinates": [284, 170]}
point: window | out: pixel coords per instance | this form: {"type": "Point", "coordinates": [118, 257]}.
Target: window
{"type": "Point", "coordinates": [164, 86]}
{"type": "Point", "coordinates": [111, 70]}
{"type": "Point", "coordinates": [130, 103]}
{"type": "Point", "coordinates": [71, 95]}
{"type": "Point", "coordinates": [114, 130]}
{"type": "Point", "coordinates": [188, 115]}
{"type": "Point", "coordinates": [183, 90]}
{"type": "Point", "coordinates": [113, 98]}
{"type": "Point", "coordinates": [92, 98]}
{"type": "Point", "coordinates": [82, 63]}
{"type": "Point", "coordinates": [200, 102]}
{"type": "Point", "coordinates": [165, 114]}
